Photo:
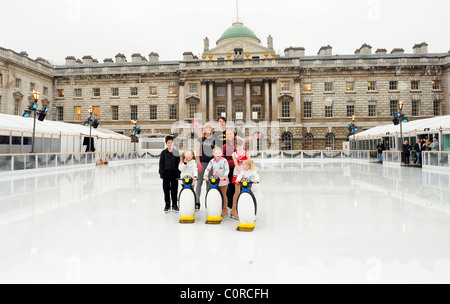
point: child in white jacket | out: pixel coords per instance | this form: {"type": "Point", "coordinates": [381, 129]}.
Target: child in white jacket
{"type": "Point", "coordinates": [188, 167]}
{"type": "Point", "coordinates": [249, 172]}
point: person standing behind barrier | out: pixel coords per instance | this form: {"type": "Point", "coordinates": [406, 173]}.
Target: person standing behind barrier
{"type": "Point", "coordinates": [426, 145]}
{"type": "Point", "coordinates": [204, 153]}
{"type": "Point", "coordinates": [406, 152]}
{"type": "Point", "coordinates": [387, 147]}
{"type": "Point", "coordinates": [380, 148]}
{"type": "Point", "coordinates": [418, 148]}
{"type": "Point", "coordinates": [434, 146]}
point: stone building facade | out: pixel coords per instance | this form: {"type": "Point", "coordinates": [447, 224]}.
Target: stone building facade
{"type": "Point", "coordinates": [310, 99]}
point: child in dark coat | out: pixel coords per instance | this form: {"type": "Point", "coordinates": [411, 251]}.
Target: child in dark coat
{"type": "Point", "coordinates": [169, 173]}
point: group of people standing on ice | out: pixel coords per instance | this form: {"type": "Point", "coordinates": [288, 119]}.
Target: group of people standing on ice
{"type": "Point", "coordinates": [220, 153]}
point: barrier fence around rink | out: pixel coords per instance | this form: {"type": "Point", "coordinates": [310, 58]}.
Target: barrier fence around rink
{"type": "Point", "coordinates": [39, 161]}
{"type": "Point", "coordinates": [27, 162]}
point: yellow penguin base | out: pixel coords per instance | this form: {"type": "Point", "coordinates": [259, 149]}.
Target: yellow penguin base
{"type": "Point", "coordinates": [214, 220]}
{"type": "Point", "coordinates": [187, 219]}
{"type": "Point", "coordinates": [246, 227]}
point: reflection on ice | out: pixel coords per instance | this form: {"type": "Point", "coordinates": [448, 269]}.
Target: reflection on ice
{"type": "Point", "coordinates": [317, 222]}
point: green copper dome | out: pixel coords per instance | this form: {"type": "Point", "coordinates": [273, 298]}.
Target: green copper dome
{"type": "Point", "coordinates": [238, 30]}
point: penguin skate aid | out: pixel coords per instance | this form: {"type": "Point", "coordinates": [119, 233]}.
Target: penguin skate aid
{"type": "Point", "coordinates": [247, 207]}
{"type": "Point", "coordinates": [186, 201]}
{"type": "Point", "coordinates": [214, 202]}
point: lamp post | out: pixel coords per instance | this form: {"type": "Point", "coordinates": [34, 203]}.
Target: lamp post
{"type": "Point", "coordinates": [136, 131]}
{"type": "Point", "coordinates": [36, 96]}
{"type": "Point", "coordinates": [352, 128]}
{"type": "Point", "coordinates": [91, 118]}
{"type": "Point", "coordinates": [91, 122]}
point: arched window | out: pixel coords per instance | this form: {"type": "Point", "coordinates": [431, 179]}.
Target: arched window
{"type": "Point", "coordinates": [330, 142]}
{"type": "Point", "coordinates": [308, 142]}
{"type": "Point", "coordinates": [286, 142]}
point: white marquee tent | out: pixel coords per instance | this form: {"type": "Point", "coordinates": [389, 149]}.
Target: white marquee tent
{"type": "Point", "coordinates": [435, 124]}
{"type": "Point", "coordinates": [53, 137]}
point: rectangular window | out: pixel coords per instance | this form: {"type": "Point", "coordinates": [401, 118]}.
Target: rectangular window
{"type": "Point", "coordinates": [328, 87]}
{"type": "Point", "coordinates": [256, 90]}
{"type": "Point", "coordinates": [192, 88]}
{"type": "Point", "coordinates": [239, 110]}
{"type": "Point", "coordinates": [18, 83]}
{"type": "Point", "coordinates": [350, 86]}
{"type": "Point", "coordinates": [115, 113]}
{"type": "Point", "coordinates": [192, 110]}
{"type": "Point", "coordinates": [393, 85]}
{"type": "Point", "coordinates": [78, 93]}
{"type": "Point", "coordinates": [394, 107]}
{"type": "Point", "coordinates": [154, 91]}
{"type": "Point", "coordinates": [60, 93]}
{"type": "Point", "coordinates": [436, 84]}
{"type": "Point", "coordinates": [416, 108]}
{"type": "Point", "coordinates": [32, 86]}
{"type": "Point", "coordinates": [415, 85]}
{"type": "Point", "coordinates": [307, 110]}
{"type": "Point", "coordinates": [221, 111]}
{"type": "Point", "coordinates": [329, 111]}
{"type": "Point", "coordinates": [437, 109]}
{"type": "Point", "coordinates": [350, 108]}
{"type": "Point", "coordinates": [238, 91]}
{"type": "Point", "coordinates": [285, 109]}
{"type": "Point", "coordinates": [221, 91]}
{"type": "Point", "coordinates": [134, 112]}
{"type": "Point", "coordinates": [153, 112]}
{"type": "Point", "coordinates": [115, 92]}
{"type": "Point", "coordinates": [134, 92]}
{"type": "Point", "coordinates": [45, 91]}
{"type": "Point", "coordinates": [307, 87]}
{"type": "Point", "coordinates": [372, 86]}
{"type": "Point", "coordinates": [256, 112]}
{"type": "Point", "coordinates": [60, 113]}
{"type": "Point", "coordinates": [172, 91]}
{"type": "Point", "coordinates": [77, 114]}
{"type": "Point", "coordinates": [173, 112]}
{"type": "Point", "coordinates": [372, 108]}
{"type": "Point", "coordinates": [96, 92]}
{"type": "Point", "coordinates": [221, 61]}
{"type": "Point", "coordinates": [285, 86]}
{"type": "Point", "coordinates": [17, 107]}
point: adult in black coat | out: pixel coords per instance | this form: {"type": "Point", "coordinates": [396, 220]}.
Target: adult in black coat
{"type": "Point", "coordinates": [406, 152]}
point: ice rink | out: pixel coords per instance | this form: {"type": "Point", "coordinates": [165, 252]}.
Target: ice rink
{"type": "Point", "coordinates": [335, 222]}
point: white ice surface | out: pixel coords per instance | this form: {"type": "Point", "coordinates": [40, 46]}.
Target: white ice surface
{"type": "Point", "coordinates": [317, 223]}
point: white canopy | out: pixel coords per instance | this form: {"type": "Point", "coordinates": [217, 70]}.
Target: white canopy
{"type": "Point", "coordinates": [21, 124]}
{"type": "Point", "coordinates": [412, 127]}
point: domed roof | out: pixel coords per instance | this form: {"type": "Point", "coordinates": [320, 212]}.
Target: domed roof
{"type": "Point", "coordinates": [238, 30]}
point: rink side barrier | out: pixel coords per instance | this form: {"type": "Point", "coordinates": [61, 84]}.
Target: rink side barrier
{"type": "Point", "coordinates": [40, 161]}
{"type": "Point", "coordinates": [26, 162]}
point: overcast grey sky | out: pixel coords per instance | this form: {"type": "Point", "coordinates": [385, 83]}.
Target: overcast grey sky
{"type": "Point", "coordinates": [54, 29]}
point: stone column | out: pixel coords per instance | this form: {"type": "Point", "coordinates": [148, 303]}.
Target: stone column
{"type": "Point", "coordinates": [267, 100]}
{"type": "Point", "coordinates": [211, 100]}
{"type": "Point", "coordinates": [248, 104]}
{"type": "Point", "coordinates": [229, 99]}
{"type": "Point", "coordinates": [274, 99]}
{"type": "Point", "coordinates": [182, 101]}
{"type": "Point", "coordinates": [204, 100]}
{"type": "Point", "coordinates": [297, 98]}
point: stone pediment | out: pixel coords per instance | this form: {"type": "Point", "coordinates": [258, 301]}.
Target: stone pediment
{"type": "Point", "coordinates": [193, 99]}
{"type": "Point", "coordinates": [250, 47]}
